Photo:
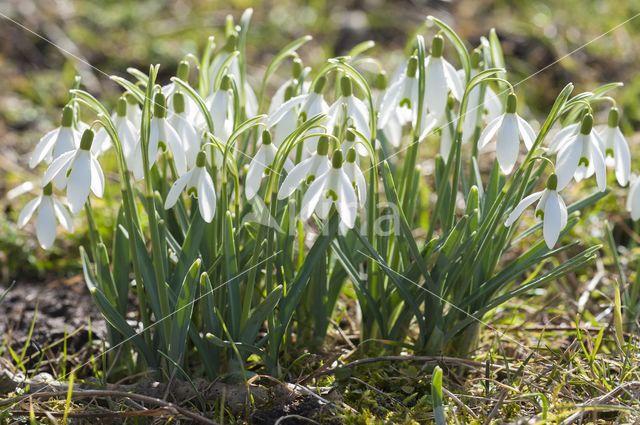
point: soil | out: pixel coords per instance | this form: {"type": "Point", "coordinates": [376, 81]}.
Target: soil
{"type": "Point", "coordinates": [61, 307]}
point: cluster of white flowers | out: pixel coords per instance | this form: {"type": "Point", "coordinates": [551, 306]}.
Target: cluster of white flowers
{"type": "Point", "coordinates": [330, 178]}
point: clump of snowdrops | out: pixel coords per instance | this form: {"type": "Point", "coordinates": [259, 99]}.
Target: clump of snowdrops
{"type": "Point", "coordinates": [245, 214]}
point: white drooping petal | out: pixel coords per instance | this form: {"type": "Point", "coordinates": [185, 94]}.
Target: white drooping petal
{"type": "Point", "coordinates": [156, 133]}
{"type": "Point", "coordinates": [63, 215]}
{"type": "Point", "coordinates": [57, 170]}
{"type": "Point", "coordinates": [324, 206]}
{"type": "Point", "coordinates": [489, 131]}
{"type": "Point", "coordinates": [97, 178]}
{"type": "Point", "coordinates": [359, 113]}
{"type": "Point", "coordinates": [284, 109]}
{"type": "Point", "coordinates": [453, 82]}
{"type": "Point", "coordinates": [101, 142]}
{"type": "Point", "coordinates": [79, 181]}
{"type": "Point", "coordinates": [46, 223]}
{"type": "Point", "coordinates": [567, 162]}
{"type": "Point", "coordinates": [44, 148]}
{"type": "Point", "coordinates": [254, 174]}
{"type": "Point", "coordinates": [189, 138]}
{"type": "Point", "coordinates": [27, 211]}
{"type": "Point", "coordinates": [68, 140]}
{"type": "Point", "coordinates": [206, 195]}
{"type": "Point", "coordinates": [598, 163]}
{"type": "Point", "coordinates": [135, 162]}
{"type": "Point", "coordinates": [523, 205]}
{"type": "Point", "coordinates": [563, 136]}
{"type": "Point", "coordinates": [428, 123]}
{"type": "Point", "coordinates": [526, 132]}
{"type": "Point", "coordinates": [436, 90]}
{"type": "Point", "coordinates": [356, 177]}
{"type": "Point", "coordinates": [296, 176]}
{"type": "Point", "coordinates": [393, 131]}
{"type": "Point", "coordinates": [508, 144]}
{"type": "Point", "coordinates": [552, 225]}
{"type": "Point", "coordinates": [615, 145]}
{"type": "Point", "coordinates": [347, 204]}
{"type": "Point", "coordinates": [177, 148]}
{"type": "Point", "coordinates": [176, 188]}
{"type": "Point", "coordinates": [633, 199]}
{"type": "Point", "coordinates": [20, 189]}
{"type": "Point", "coordinates": [250, 101]}
{"type": "Point", "coordinates": [313, 195]}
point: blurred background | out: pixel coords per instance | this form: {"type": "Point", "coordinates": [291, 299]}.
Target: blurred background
{"type": "Point", "coordinates": [113, 35]}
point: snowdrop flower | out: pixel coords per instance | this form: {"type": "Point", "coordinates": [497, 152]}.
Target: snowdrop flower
{"type": "Point", "coordinates": [161, 135]}
{"type": "Point", "coordinates": [279, 96]}
{"type": "Point", "coordinates": [350, 143]}
{"type": "Point", "coordinates": [313, 104]}
{"type": "Point", "coordinates": [251, 102]}
{"type": "Point", "coordinates": [348, 109]}
{"type": "Point", "coordinates": [440, 77]}
{"type": "Point", "coordinates": [189, 106]}
{"type": "Point", "coordinates": [49, 209]}
{"type": "Point", "coordinates": [307, 170]}
{"type": "Point", "coordinates": [260, 165]}
{"type": "Point", "coordinates": [134, 112]}
{"type": "Point", "coordinates": [331, 188]}
{"type": "Point", "coordinates": [288, 123]}
{"type": "Point", "coordinates": [56, 142]}
{"type": "Point", "coordinates": [199, 185]}
{"type": "Point", "coordinates": [581, 157]}
{"type": "Point", "coordinates": [81, 172]}
{"type": "Point", "coordinates": [633, 199]}
{"type": "Point", "coordinates": [476, 107]}
{"type": "Point", "coordinates": [356, 177]}
{"type": "Point", "coordinates": [551, 209]}
{"type": "Point", "coordinates": [510, 128]}
{"type": "Point", "coordinates": [220, 104]}
{"type": "Point", "coordinates": [401, 99]}
{"type": "Point", "coordinates": [563, 136]}
{"type": "Point", "coordinates": [392, 130]}
{"type": "Point", "coordinates": [615, 148]}
{"type": "Point", "coordinates": [186, 132]}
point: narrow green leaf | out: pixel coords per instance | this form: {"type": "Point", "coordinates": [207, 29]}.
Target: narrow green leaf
{"type": "Point", "coordinates": [181, 317]}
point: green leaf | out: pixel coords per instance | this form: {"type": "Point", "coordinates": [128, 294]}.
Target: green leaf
{"type": "Point", "coordinates": [436, 396]}
{"type": "Point", "coordinates": [259, 315]}
{"type": "Point", "coordinates": [465, 60]}
{"type": "Point", "coordinates": [181, 315]}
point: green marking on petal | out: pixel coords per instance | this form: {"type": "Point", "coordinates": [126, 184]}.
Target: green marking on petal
{"type": "Point", "coordinates": [583, 161]}
{"type": "Point", "coordinates": [540, 214]}
{"type": "Point", "coordinates": [162, 145]}
{"type": "Point", "coordinates": [192, 191]}
{"type": "Point", "coordinates": [331, 194]}
{"type": "Point", "coordinates": [310, 179]}
{"type": "Point", "coordinates": [609, 152]}
{"type": "Point", "coordinates": [405, 102]}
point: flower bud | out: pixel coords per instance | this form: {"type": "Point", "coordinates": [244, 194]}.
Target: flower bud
{"type": "Point", "coordinates": [319, 86]}
{"type": "Point", "coordinates": [178, 103]}
{"type": "Point", "coordinates": [296, 68]}
{"type": "Point", "coordinates": [67, 116]}
{"type": "Point", "coordinates": [225, 84]}
{"type": "Point", "coordinates": [323, 145]}
{"type": "Point", "coordinates": [230, 46]}
{"type": "Point", "coordinates": [614, 117]}
{"type": "Point", "coordinates": [183, 71]}
{"type": "Point", "coordinates": [201, 159]}
{"type": "Point", "coordinates": [412, 67]}
{"type": "Point", "coordinates": [87, 140]}
{"type": "Point", "coordinates": [476, 59]}
{"type": "Point", "coordinates": [336, 159]}
{"type": "Point", "coordinates": [160, 106]}
{"type": "Point", "coordinates": [381, 80]}
{"type": "Point", "coordinates": [351, 155]}
{"type": "Point", "coordinates": [587, 124]}
{"type": "Point", "coordinates": [121, 107]}
{"type": "Point", "coordinates": [346, 86]}
{"type": "Point", "coordinates": [266, 137]}
{"type": "Point", "coordinates": [437, 46]}
{"type": "Point", "coordinates": [512, 103]}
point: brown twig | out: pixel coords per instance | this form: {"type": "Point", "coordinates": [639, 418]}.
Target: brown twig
{"type": "Point", "coordinates": [170, 407]}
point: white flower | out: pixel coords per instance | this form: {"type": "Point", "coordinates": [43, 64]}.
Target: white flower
{"type": "Point", "coordinates": [312, 104]}
{"type": "Point", "coordinates": [551, 209]}
{"type": "Point", "coordinates": [161, 135]}
{"type": "Point", "coordinates": [251, 102]}
{"type": "Point", "coordinates": [510, 128]}
{"type": "Point", "coordinates": [56, 142]}
{"type": "Point", "coordinates": [476, 107]}
{"type": "Point", "coordinates": [279, 97]}
{"type": "Point", "coordinates": [307, 170]}
{"type": "Point", "coordinates": [615, 148]}
{"type": "Point", "coordinates": [220, 104]}
{"type": "Point", "coordinates": [581, 157]}
{"type": "Point", "coordinates": [356, 177]}
{"type": "Point", "coordinates": [189, 106]}
{"type": "Point", "coordinates": [563, 136]}
{"type": "Point", "coordinates": [440, 77]}
{"type": "Point", "coordinates": [49, 209]}
{"type": "Point", "coordinates": [400, 100]}
{"type": "Point", "coordinates": [260, 165]}
{"type": "Point", "coordinates": [348, 109]}
{"type": "Point", "coordinates": [633, 199]}
{"type": "Point", "coordinates": [186, 132]}
{"type": "Point", "coordinates": [80, 171]}
{"type": "Point", "coordinates": [331, 188]}
{"type": "Point", "coordinates": [198, 184]}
